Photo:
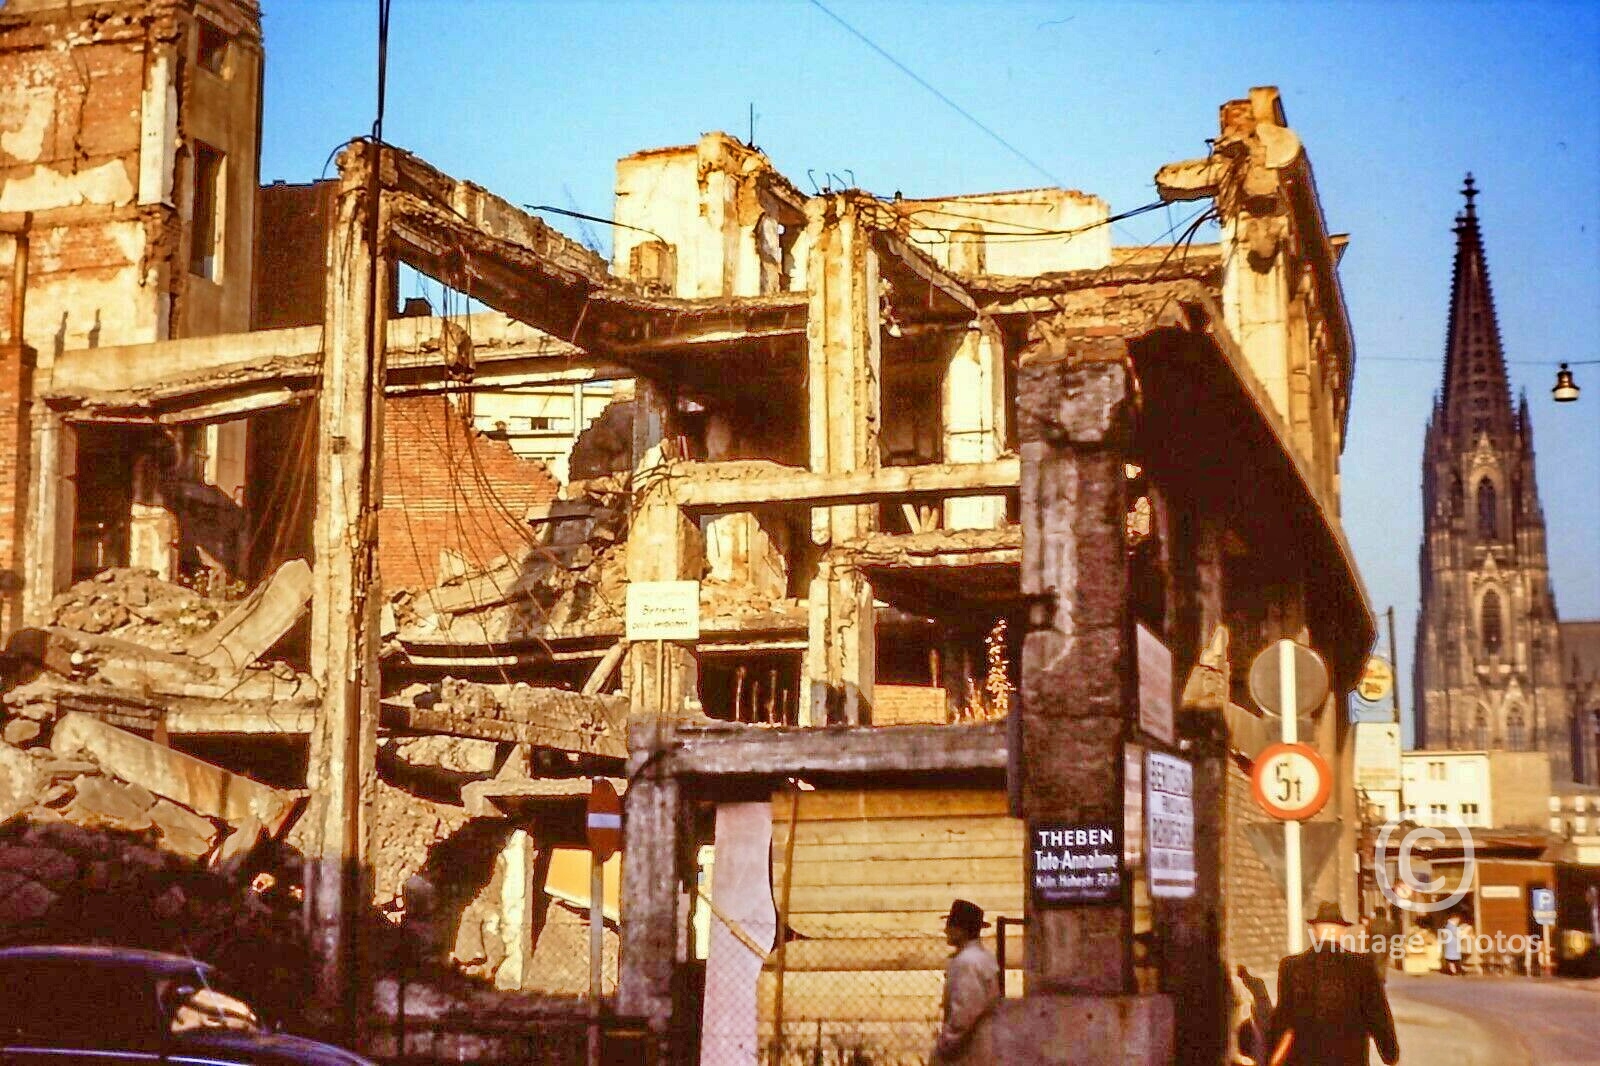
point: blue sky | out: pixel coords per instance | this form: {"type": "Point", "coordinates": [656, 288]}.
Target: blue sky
{"type": "Point", "coordinates": [1395, 102]}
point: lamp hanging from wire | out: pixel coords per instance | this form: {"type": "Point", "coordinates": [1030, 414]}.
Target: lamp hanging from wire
{"type": "Point", "coordinates": [1565, 390]}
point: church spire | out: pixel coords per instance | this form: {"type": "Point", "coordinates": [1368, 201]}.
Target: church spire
{"type": "Point", "coordinates": [1477, 397]}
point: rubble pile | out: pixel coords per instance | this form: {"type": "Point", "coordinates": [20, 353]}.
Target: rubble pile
{"type": "Point", "coordinates": [136, 605]}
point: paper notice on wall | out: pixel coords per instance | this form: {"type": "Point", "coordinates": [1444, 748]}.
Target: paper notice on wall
{"type": "Point", "coordinates": [1169, 817]}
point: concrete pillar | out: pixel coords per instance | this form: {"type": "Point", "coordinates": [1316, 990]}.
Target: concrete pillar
{"type": "Point", "coordinates": [152, 526]}
{"type": "Point", "coordinates": [344, 607]}
{"type": "Point", "coordinates": [1075, 404]}
{"type": "Point", "coordinates": [52, 514]}
{"type": "Point", "coordinates": [520, 885]}
{"type": "Point", "coordinates": [663, 545]}
{"type": "Point", "coordinates": [974, 419]}
{"type": "Point", "coordinates": [842, 389]}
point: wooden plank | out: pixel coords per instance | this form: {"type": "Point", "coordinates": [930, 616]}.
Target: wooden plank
{"type": "Point", "coordinates": [879, 996]}
{"type": "Point", "coordinates": [873, 872]}
{"type": "Point", "coordinates": [889, 832]}
{"type": "Point", "coordinates": [1005, 898]}
{"type": "Point", "coordinates": [732, 750]}
{"type": "Point", "coordinates": [901, 803]}
{"type": "Point", "coordinates": [839, 955]}
{"type": "Point", "coordinates": [908, 851]}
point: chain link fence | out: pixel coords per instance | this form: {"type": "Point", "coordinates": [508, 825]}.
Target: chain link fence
{"type": "Point", "coordinates": [866, 997]}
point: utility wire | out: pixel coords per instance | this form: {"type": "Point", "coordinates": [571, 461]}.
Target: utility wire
{"type": "Point", "coordinates": [1508, 362]}
{"type": "Point", "coordinates": [957, 108]}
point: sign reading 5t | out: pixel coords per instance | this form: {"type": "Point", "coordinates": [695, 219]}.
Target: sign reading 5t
{"type": "Point", "coordinates": [1291, 781]}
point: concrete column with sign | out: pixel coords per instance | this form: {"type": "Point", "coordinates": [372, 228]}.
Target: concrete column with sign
{"type": "Point", "coordinates": [665, 554]}
{"type": "Point", "coordinates": [1077, 709]}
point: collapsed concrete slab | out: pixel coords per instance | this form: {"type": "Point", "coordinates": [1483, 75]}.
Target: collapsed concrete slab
{"type": "Point", "coordinates": [192, 782]}
{"type": "Point", "coordinates": [247, 632]}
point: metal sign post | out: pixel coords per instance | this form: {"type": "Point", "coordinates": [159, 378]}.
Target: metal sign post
{"type": "Point", "coordinates": [603, 830]}
{"type": "Point", "coordinates": [1290, 719]}
{"type": "Point", "coordinates": [1289, 679]}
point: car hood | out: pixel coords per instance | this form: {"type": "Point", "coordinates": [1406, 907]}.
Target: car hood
{"type": "Point", "coordinates": [267, 1047]}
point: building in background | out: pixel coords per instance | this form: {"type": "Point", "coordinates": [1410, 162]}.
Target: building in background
{"type": "Point", "coordinates": [1488, 664]}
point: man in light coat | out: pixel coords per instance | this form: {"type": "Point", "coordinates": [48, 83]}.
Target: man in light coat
{"type": "Point", "coordinates": [971, 991]}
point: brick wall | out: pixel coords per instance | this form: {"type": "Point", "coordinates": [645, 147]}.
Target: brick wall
{"type": "Point", "coordinates": [15, 388]}
{"type": "Point", "coordinates": [445, 486]}
{"type": "Point", "coordinates": [1254, 927]}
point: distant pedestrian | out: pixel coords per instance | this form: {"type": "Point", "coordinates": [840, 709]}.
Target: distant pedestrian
{"type": "Point", "coordinates": [1381, 936]}
{"type": "Point", "coordinates": [1330, 1001]}
{"type": "Point", "coordinates": [971, 991]}
{"type": "Point", "coordinates": [1450, 946]}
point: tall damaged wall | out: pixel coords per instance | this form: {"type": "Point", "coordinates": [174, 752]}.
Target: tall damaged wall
{"type": "Point", "coordinates": [445, 486]}
{"type": "Point", "coordinates": [105, 110]}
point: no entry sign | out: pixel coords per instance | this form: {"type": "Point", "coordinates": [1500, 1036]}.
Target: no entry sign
{"type": "Point", "coordinates": [603, 821]}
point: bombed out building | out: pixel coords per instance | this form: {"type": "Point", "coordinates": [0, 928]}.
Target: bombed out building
{"type": "Point", "coordinates": [979, 519]}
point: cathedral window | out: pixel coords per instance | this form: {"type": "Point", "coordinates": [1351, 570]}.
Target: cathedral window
{"type": "Point", "coordinates": [1516, 498]}
{"type": "Point", "coordinates": [1516, 730]}
{"type": "Point", "coordinates": [1489, 623]}
{"type": "Point", "coordinates": [1480, 732]}
{"type": "Point", "coordinates": [1487, 525]}
{"type": "Point", "coordinates": [1456, 496]}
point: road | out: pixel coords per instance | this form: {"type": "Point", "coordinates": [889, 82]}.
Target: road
{"type": "Point", "coordinates": [1496, 1021]}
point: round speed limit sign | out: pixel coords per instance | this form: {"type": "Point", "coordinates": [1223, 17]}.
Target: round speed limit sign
{"type": "Point", "coordinates": [1291, 781]}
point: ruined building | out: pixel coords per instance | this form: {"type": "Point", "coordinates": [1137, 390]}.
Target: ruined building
{"type": "Point", "coordinates": [1489, 664]}
{"type": "Point", "coordinates": [978, 516]}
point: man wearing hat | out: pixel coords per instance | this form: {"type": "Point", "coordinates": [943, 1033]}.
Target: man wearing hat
{"type": "Point", "coordinates": [1330, 1000]}
{"type": "Point", "coordinates": [971, 990]}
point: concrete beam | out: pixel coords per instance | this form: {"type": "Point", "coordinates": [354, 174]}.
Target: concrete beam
{"type": "Point", "coordinates": [192, 782]}
{"type": "Point", "coordinates": [741, 484]}
{"type": "Point", "coordinates": [952, 548]}
{"type": "Point", "coordinates": [496, 799]}
{"type": "Point", "coordinates": [730, 749]}
{"type": "Point", "coordinates": [923, 288]}
{"type": "Point", "coordinates": [540, 717]}
{"type": "Point", "coordinates": [250, 630]}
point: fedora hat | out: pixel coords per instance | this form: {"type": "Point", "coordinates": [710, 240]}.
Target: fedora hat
{"type": "Point", "coordinates": [1328, 914]}
{"type": "Point", "coordinates": [967, 915]}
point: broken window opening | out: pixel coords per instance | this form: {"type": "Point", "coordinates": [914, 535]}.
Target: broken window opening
{"type": "Point", "coordinates": [205, 221]}
{"type": "Point", "coordinates": [763, 687]}
{"type": "Point", "coordinates": [211, 52]}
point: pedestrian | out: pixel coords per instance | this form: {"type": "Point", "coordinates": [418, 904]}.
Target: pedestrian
{"type": "Point", "coordinates": [1382, 937]}
{"type": "Point", "coordinates": [1330, 1001]}
{"type": "Point", "coordinates": [1450, 945]}
{"type": "Point", "coordinates": [971, 991]}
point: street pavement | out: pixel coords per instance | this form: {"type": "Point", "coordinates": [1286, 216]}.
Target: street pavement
{"type": "Point", "coordinates": [1496, 1021]}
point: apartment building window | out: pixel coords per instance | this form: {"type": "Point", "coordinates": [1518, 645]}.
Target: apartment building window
{"type": "Point", "coordinates": [1556, 826]}
{"type": "Point", "coordinates": [1469, 813]}
{"type": "Point", "coordinates": [206, 224]}
{"type": "Point", "coordinates": [1438, 810]}
{"type": "Point", "coordinates": [212, 50]}
{"type": "Point", "coordinates": [1437, 770]}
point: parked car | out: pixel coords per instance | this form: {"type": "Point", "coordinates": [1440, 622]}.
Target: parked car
{"type": "Point", "coordinates": [95, 1006]}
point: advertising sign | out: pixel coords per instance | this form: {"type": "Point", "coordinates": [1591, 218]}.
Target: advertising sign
{"type": "Point", "coordinates": [1074, 862]}
{"type": "Point", "coordinates": [1169, 813]}
{"type": "Point", "coordinates": [1155, 686]}
{"type": "Point", "coordinates": [1378, 757]}
{"type": "Point", "coordinates": [663, 610]}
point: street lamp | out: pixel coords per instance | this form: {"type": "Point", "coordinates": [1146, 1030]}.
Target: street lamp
{"type": "Point", "coordinates": [1565, 390]}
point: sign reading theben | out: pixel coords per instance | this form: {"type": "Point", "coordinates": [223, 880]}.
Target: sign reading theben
{"type": "Point", "coordinates": [1074, 863]}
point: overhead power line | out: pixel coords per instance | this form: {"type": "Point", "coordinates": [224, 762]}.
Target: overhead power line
{"type": "Point", "coordinates": [920, 80]}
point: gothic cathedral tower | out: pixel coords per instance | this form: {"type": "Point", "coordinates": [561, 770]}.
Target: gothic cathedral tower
{"type": "Point", "coordinates": [1488, 657]}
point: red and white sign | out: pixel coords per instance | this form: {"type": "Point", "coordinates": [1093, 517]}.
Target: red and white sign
{"type": "Point", "coordinates": [603, 820]}
{"type": "Point", "coordinates": [1291, 782]}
